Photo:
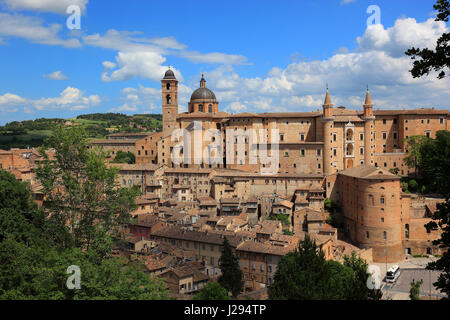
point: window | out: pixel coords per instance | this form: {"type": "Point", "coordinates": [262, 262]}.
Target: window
{"type": "Point", "coordinates": [395, 135]}
{"type": "Point", "coordinates": [318, 152]}
{"type": "Point", "coordinates": [361, 136]}
{"type": "Point", "coordinates": [334, 137]}
{"type": "Point", "coordinates": [281, 137]}
{"type": "Point", "coordinates": [302, 137]}
{"type": "Point", "coordinates": [428, 133]}
{"type": "Point", "coordinates": [210, 108]}
{"type": "Point", "coordinates": [382, 200]}
{"type": "Point", "coordinates": [303, 152]}
{"type": "Point", "coordinates": [384, 235]}
{"type": "Point", "coordinates": [361, 150]}
{"type": "Point", "coordinates": [367, 234]}
{"type": "Point", "coordinates": [168, 99]}
{"type": "Point", "coordinates": [200, 107]}
{"type": "Point", "coordinates": [168, 86]}
{"type": "Point", "coordinates": [441, 120]}
{"type": "Point", "coordinates": [384, 135]}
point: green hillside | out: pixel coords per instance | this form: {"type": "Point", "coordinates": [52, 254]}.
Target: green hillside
{"type": "Point", "coordinates": [32, 133]}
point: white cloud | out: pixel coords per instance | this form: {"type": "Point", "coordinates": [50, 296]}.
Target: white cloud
{"type": "Point", "coordinates": [379, 62]}
{"type": "Point", "coordinates": [69, 99]}
{"type": "Point", "coordinates": [146, 65]}
{"type": "Point", "coordinates": [124, 108]}
{"type": "Point", "coordinates": [34, 30]}
{"type": "Point", "coordinates": [134, 51]}
{"type": "Point", "coordinates": [236, 107]}
{"type": "Point", "coordinates": [9, 102]}
{"type": "Point", "coordinates": [55, 6]}
{"type": "Point", "coordinates": [57, 75]}
{"type": "Point", "coordinates": [344, 2]}
{"type": "Point", "coordinates": [405, 33]}
{"type": "Point", "coordinates": [214, 58]}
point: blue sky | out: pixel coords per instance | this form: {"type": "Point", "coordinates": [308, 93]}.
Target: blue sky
{"type": "Point", "coordinates": [257, 56]}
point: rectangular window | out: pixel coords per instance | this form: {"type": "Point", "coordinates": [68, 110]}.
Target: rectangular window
{"type": "Point", "coordinates": [361, 136]}
{"type": "Point", "coordinates": [302, 137]}
{"type": "Point", "coordinates": [384, 135]}
{"type": "Point", "coordinates": [303, 152]}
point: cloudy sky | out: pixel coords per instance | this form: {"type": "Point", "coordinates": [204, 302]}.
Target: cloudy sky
{"type": "Point", "coordinates": [257, 56]}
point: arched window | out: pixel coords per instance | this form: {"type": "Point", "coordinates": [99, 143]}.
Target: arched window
{"type": "Point", "coordinates": [168, 86]}
{"type": "Point", "coordinates": [349, 135]}
{"type": "Point", "coordinates": [200, 107]}
{"type": "Point", "coordinates": [210, 108]}
{"type": "Point", "coordinates": [371, 202]}
{"type": "Point", "coordinates": [169, 99]}
{"type": "Point", "coordinates": [349, 150]}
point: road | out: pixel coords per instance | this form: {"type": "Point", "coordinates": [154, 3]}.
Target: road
{"type": "Point", "coordinates": [411, 269]}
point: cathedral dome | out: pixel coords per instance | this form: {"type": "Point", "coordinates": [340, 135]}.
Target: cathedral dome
{"type": "Point", "coordinates": [203, 94]}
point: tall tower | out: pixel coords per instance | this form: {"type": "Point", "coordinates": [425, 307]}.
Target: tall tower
{"type": "Point", "coordinates": [169, 102]}
{"type": "Point", "coordinates": [369, 123]}
{"type": "Point", "coordinates": [328, 124]}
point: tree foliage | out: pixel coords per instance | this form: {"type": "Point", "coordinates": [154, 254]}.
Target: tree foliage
{"type": "Point", "coordinates": [426, 60]}
{"type": "Point", "coordinates": [231, 278]}
{"type": "Point", "coordinates": [37, 246]}
{"type": "Point", "coordinates": [415, 289]}
{"type": "Point", "coordinates": [306, 275]}
{"type": "Point", "coordinates": [125, 157]}
{"type": "Point", "coordinates": [413, 156]}
{"type": "Point", "coordinates": [81, 193]}
{"type": "Point", "coordinates": [212, 291]}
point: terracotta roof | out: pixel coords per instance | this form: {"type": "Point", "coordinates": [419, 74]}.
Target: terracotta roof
{"type": "Point", "coordinates": [368, 172]}
{"type": "Point", "coordinates": [113, 141]}
{"type": "Point", "coordinates": [284, 203]}
{"type": "Point", "coordinates": [265, 248]}
{"type": "Point", "coordinates": [175, 232]}
{"type": "Point", "coordinates": [134, 167]}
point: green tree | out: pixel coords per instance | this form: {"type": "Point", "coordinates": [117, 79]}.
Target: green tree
{"type": "Point", "coordinates": [33, 265]}
{"type": "Point", "coordinates": [212, 291]}
{"type": "Point", "coordinates": [360, 290]}
{"type": "Point", "coordinates": [81, 193]}
{"type": "Point", "coordinates": [426, 60]}
{"type": "Point", "coordinates": [413, 185]}
{"type": "Point", "coordinates": [413, 156]}
{"type": "Point", "coordinates": [435, 162]}
{"type": "Point", "coordinates": [19, 216]}
{"type": "Point", "coordinates": [125, 157]}
{"type": "Point", "coordinates": [415, 289]}
{"type": "Point", "coordinates": [301, 275]}
{"type": "Point", "coordinates": [231, 278]}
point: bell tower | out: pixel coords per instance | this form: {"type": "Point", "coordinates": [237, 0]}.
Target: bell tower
{"type": "Point", "coordinates": [328, 126]}
{"type": "Point", "coordinates": [169, 102]}
{"type": "Point", "coordinates": [369, 122]}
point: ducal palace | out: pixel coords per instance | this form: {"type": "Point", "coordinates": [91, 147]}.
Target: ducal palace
{"type": "Point", "coordinates": [355, 158]}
